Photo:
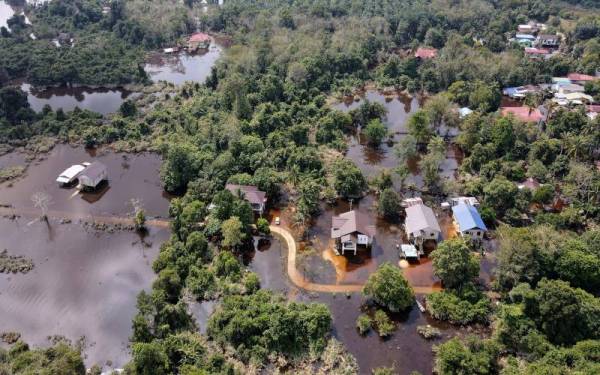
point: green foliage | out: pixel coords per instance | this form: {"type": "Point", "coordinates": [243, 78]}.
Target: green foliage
{"type": "Point", "coordinates": [458, 308]}
{"type": "Point", "coordinates": [375, 132]}
{"type": "Point", "coordinates": [261, 323]}
{"type": "Point", "coordinates": [454, 264]}
{"type": "Point", "coordinates": [388, 288]}
{"type": "Point", "coordinates": [384, 325]}
{"type": "Point", "coordinates": [473, 357]}
{"type": "Point", "coordinates": [389, 205]}
{"type": "Point", "coordinates": [419, 127]}
{"type": "Point", "coordinates": [58, 359]}
{"type": "Point", "coordinates": [349, 181]}
{"type": "Point", "coordinates": [233, 235]}
{"type": "Point", "coordinates": [262, 225]}
{"type": "Point", "coordinates": [363, 324]}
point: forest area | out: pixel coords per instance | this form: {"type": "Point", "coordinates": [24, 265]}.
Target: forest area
{"type": "Point", "coordinates": [264, 117]}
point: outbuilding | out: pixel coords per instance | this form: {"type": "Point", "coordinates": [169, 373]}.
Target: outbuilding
{"type": "Point", "coordinates": [93, 175]}
{"type": "Point", "coordinates": [256, 198]}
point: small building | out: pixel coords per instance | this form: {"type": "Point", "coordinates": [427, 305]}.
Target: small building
{"type": "Point", "coordinates": [529, 37]}
{"type": "Point", "coordinates": [572, 98]}
{"type": "Point", "coordinates": [93, 175]}
{"type": "Point", "coordinates": [421, 225]}
{"type": "Point", "coordinates": [69, 175]}
{"type": "Point", "coordinates": [469, 221]}
{"type": "Point", "coordinates": [527, 28]}
{"type": "Point", "coordinates": [535, 53]}
{"type": "Point", "coordinates": [561, 80]}
{"type": "Point", "coordinates": [548, 40]}
{"type": "Point", "coordinates": [581, 79]}
{"type": "Point", "coordinates": [567, 88]}
{"type": "Point", "coordinates": [198, 41]}
{"type": "Point", "coordinates": [425, 53]}
{"type": "Point", "coordinates": [466, 200]}
{"type": "Point", "coordinates": [464, 112]}
{"type": "Point", "coordinates": [530, 183]}
{"type": "Point", "coordinates": [411, 202]}
{"type": "Point", "coordinates": [256, 198]}
{"type": "Point", "coordinates": [351, 230]}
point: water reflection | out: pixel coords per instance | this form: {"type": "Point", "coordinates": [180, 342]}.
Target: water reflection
{"type": "Point", "coordinates": [101, 100]}
{"type": "Point", "coordinates": [179, 68]}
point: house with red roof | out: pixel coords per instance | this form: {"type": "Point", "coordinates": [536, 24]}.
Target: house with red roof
{"type": "Point", "coordinates": [534, 53]}
{"type": "Point", "coordinates": [524, 114]}
{"type": "Point", "coordinates": [580, 78]}
{"type": "Point", "coordinates": [198, 41]}
{"type": "Point", "coordinates": [425, 53]}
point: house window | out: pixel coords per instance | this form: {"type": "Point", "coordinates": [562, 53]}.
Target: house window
{"type": "Point", "coordinates": [479, 233]}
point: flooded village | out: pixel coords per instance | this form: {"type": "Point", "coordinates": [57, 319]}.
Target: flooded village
{"type": "Point", "coordinates": [265, 195]}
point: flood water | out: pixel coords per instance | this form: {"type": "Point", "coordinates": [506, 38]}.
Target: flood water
{"type": "Point", "coordinates": [175, 69]}
{"type": "Point", "coordinates": [101, 100]}
{"type": "Point", "coordinates": [130, 176]}
{"type": "Point", "coordinates": [84, 285]}
{"type": "Point", "coordinates": [406, 349]}
{"type": "Point", "coordinates": [182, 67]}
{"type": "Point", "coordinates": [372, 160]}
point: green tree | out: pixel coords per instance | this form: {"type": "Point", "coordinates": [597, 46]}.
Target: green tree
{"type": "Point", "coordinates": [419, 127]}
{"type": "Point", "coordinates": [388, 287]}
{"type": "Point", "coordinates": [262, 225]}
{"type": "Point", "coordinates": [375, 132]}
{"type": "Point", "coordinates": [500, 194]}
{"type": "Point", "coordinates": [477, 357]}
{"type": "Point", "coordinates": [389, 205]}
{"type": "Point", "coordinates": [150, 359]}
{"type": "Point", "coordinates": [349, 181]}
{"type": "Point", "coordinates": [454, 264]}
{"type": "Point", "coordinates": [232, 231]}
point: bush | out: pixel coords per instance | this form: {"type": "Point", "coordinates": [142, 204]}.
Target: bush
{"type": "Point", "coordinates": [385, 327]}
{"type": "Point", "coordinates": [448, 306]}
{"type": "Point", "coordinates": [262, 225]}
{"type": "Point", "coordinates": [363, 323]}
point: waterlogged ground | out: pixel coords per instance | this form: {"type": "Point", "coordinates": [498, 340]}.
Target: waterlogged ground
{"type": "Point", "coordinates": [131, 176]}
{"type": "Point", "coordinates": [84, 284]}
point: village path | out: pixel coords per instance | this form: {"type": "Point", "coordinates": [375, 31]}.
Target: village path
{"type": "Point", "coordinates": [102, 219]}
{"type": "Point", "coordinates": [300, 281]}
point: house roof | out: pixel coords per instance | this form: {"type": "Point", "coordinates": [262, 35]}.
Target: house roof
{"type": "Point", "coordinates": [426, 53]}
{"type": "Point", "coordinates": [530, 183]}
{"type": "Point", "coordinates": [464, 111]}
{"type": "Point", "coordinates": [578, 96]}
{"type": "Point", "coordinates": [467, 217]}
{"type": "Point", "coordinates": [94, 170]}
{"type": "Point", "coordinates": [351, 222]}
{"type": "Point", "coordinates": [421, 218]}
{"type": "Point", "coordinates": [251, 193]}
{"type": "Point", "coordinates": [536, 51]}
{"type": "Point", "coordinates": [548, 37]}
{"type": "Point", "coordinates": [561, 80]}
{"type": "Point", "coordinates": [410, 251]}
{"type": "Point", "coordinates": [199, 37]}
{"type": "Point", "coordinates": [523, 113]}
{"type": "Point", "coordinates": [593, 108]}
{"type": "Point", "coordinates": [525, 36]}
{"type": "Point", "coordinates": [581, 77]}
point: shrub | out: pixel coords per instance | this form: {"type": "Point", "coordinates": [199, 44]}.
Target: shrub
{"type": "Point", "coordinates": [363, 323]}
{"type": "Point", "coordinates": [385, 327]}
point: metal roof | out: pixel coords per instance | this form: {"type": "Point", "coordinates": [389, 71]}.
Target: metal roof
{"type": "Point", "coordinates": [421, 218]}
{"type": "Point", "coordinates": [94, 170]}
{"type": "Point", "coordinates": [351, 222]}
{"type": "Point", "coordinates": [251, 193]}
{"type": "Point", "coordinates": [467, 217]}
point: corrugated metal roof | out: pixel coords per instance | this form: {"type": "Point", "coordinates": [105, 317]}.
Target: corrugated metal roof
{"type": "Point", "coordinates": [94, 170]}
{"type": "Point", "coordinates": [251, 193]}
{"type": "Point", "coordinates": [349, 223]}
{"type": "Point", "coordinates": [467, 217]}
{"type": "Point", "coordinates": [421, 218]}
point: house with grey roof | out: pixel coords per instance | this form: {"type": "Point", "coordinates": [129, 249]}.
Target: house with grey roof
{"type": "Point", "coordinates": [256, 198]}
{"type": "Point", "coordinates": [93, 175]}
{"type": "Point", "coordinates": [352, 230]}
{"type": "Point", "coordinates": [421, 225]}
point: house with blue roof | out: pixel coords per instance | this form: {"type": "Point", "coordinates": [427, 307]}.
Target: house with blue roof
{"type": "Point", "coordinates": [469, 221]}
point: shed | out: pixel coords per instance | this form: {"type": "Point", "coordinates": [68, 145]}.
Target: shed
{"type": "Point", "coordinates": [198, 41]}
{"type": "Point", "coordinates": [409, 251]}
{"type": "Point", "coordinates": [70, 174]}
{"type": "Point", "coordinates": [421, 224]}
{"type": "Point", "coordinates": [425, 53]}
{"type": "Point", "coordinates": [93, 175]}
{"type": "Point", "coordinates": [255, 197]}
{"type": "Point", "coordinates": [469, 221]}
{"type": "Point", "coordinates": [464, 112]}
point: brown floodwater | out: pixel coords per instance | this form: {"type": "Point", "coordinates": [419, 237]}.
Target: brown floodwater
{"type": "Point", "coordinates": [84, 284]}
{"type": "Point", "coordinates": [372, 160]}
{"type": "Point", "coordinates": [131, 176]}
{"type": "Point", "coordinates": [182, 67]}
{"type": "Point", "coordinates": [406, 349]}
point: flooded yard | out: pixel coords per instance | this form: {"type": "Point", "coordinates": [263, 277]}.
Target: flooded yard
{"type": "Point", "coordinates": [83, 285]}
{"type": "Point", "coordinates": [130, 176]}
{"type": "Point", "coordinates": [176, 69]}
